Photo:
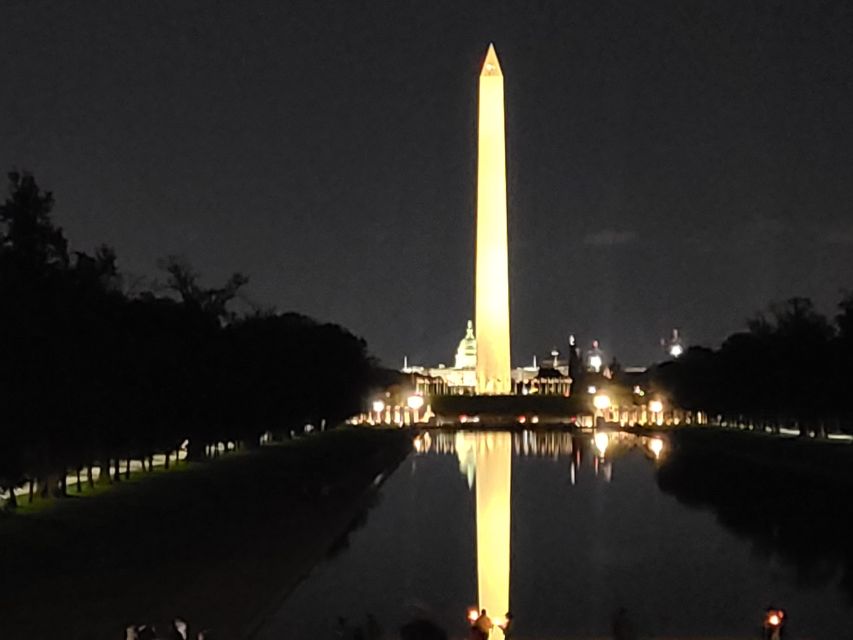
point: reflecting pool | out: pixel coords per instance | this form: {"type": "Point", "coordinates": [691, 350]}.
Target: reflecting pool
{"type": "Point", "coordinates": [564, 530]}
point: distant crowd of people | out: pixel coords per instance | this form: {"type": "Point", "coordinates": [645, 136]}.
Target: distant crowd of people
{"type": "Point", "coordinates": [481, 628]}
{"type": "Point", "coordinates": [177, 629]}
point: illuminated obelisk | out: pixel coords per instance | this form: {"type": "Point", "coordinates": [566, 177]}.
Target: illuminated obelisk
{"type": "Point", "coordinates": [492, 277]}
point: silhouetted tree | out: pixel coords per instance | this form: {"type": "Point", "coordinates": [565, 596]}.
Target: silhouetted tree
{"type": "Point", "coordinates": [30, 239]}
{"type": "Point", "coordinates": [184, 281]}
{"type": "Point", "coordinates": [790, 367]}
{"type": "Point", "coordinates": [90, 376]}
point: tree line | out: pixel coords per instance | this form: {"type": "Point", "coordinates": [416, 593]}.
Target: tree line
{"type": "Point", "coordinates": [92, 373]}
{"type": "Point", "coordinates": [791, 366]}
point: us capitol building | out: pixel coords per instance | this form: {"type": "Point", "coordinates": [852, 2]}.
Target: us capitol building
{"type": "Point", "coordinates": [461, 378]}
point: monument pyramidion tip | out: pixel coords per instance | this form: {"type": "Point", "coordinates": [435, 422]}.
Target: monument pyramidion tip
{"type": "Point", "coordinates": [491, 66]}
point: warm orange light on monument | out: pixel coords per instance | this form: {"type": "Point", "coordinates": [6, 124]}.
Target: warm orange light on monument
{"type": "Point", "coordinates": [492, 276]}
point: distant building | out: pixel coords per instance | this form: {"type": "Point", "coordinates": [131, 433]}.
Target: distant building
{"type": "Point", "coordinates": [675, 346]}
{"type": "Point", "coordinates": [461, 378]}
{"type": "Point", "coordinates": [466, 352]}
{"type": "Point", "coordinates": [595, 358]}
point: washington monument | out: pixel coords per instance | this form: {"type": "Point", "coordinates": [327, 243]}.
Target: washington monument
{"type": "Point", "coordinates": [492, 275]}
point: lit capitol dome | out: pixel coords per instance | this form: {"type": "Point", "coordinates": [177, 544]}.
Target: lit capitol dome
{"type": "Point", "coordinates": [466, 353]}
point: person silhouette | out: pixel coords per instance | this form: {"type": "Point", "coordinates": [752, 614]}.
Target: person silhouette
{"type": "Point", "coordinates": [483, 624]}
{"type": "Point", "coordinates": [506, 627]}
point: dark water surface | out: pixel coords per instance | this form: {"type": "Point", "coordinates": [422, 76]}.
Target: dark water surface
{"type": "Point", "coordinates": [590, 533]}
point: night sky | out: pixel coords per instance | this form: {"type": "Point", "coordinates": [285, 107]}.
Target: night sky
{"type": "Point", "coordinates": [671, 164]}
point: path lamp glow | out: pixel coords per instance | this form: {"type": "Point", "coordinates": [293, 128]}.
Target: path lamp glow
{"type": "Point", "coordinates": [656, 409]}
{"type": "Point", "coordinates": [601, 402]}
{"type": "Point", "coordinates": [415, 402]}
{"type": "Point", "coordinates": [378, 408]}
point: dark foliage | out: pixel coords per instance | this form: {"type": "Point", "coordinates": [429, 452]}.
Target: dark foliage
{"type": "Point", "coordinates": [791, 366]}
{"type": "Point", "coordinates": [90, 374]}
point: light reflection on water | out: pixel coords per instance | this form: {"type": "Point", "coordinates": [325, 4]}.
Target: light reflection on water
{"type": "Point", "coordinates": [491, 454]}
{"type": "Point", "coordinates": [589, 532]}
{"type": "Point", "coordinates": [485, 459]}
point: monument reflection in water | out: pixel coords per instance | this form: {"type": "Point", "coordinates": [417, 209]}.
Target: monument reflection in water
{"type": "Point", "coordinates": [486, 458]}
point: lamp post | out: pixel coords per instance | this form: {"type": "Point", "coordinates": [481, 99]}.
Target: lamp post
{"type": "Point", "coordinates": [601, 402]}
{"type": "Point", "coordinates": [415, 402]}
{"type": "Point", "coordinates": [656, 409]}
{"type": "Point", "coordinates": [378, 407]}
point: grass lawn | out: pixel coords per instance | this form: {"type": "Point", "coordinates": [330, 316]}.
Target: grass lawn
{"type": "Point", "coordinates": [217, 543]}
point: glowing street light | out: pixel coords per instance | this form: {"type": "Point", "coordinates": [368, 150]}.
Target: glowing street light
{"type": "Point", "coordinates": [676, 350]}
{"type": "Point", "coordinates": [656, 410]}
{"type": "Point", "coordinates": [601, 402]}
{"type": "Point", "coordinates": [656, 445]}
{"type": "Point", "coordinates": [415, 402]}
{"type": "Point", "coordinates": [378, 407]}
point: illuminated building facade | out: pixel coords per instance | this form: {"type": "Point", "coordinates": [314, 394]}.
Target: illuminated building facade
{"type": "Point", "coordinates": [460, 379]}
